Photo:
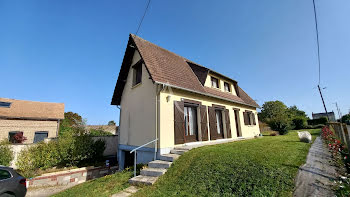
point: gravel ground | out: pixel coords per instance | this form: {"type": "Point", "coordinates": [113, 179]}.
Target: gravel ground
{"type": "Point", "coordinates": [316, 177]}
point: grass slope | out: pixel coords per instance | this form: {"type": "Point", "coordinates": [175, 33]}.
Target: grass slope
{"type": "Point", "coordinates": [259, 167]}
{"type": "Point", "coordinates": [105, 186]}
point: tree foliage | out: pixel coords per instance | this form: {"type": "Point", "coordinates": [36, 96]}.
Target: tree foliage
{"type": "Point", "coordinates": [281, 118]}
{"type": "Point", "coordinates": [346, 119]}
{"type": "Point", "coordinates": [111, 123]}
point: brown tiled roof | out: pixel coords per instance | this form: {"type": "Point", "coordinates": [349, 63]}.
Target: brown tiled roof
{"type": "Point", "coordinates": [166, 67]}
{"type": "Point", "coordinates": [32, 110]}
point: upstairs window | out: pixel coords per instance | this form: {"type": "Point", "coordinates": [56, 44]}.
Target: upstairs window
{"type": "Point", "coordinates": [214, 82]}
{"type": "Point", "coordinates": [5, 104]}
{"type": "Point", "coordinates": [137, 73]}
{"type": "Point", "coordinates": [227, 87]}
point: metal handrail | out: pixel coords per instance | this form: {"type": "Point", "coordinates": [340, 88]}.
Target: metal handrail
{"type": "Point", "coordinates": [135, 150]}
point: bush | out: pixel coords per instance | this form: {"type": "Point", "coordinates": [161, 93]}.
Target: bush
{"type": "Point", "coordinates": [279, 125]}
{"type": "Point", "coordinates": [322, 120]}
{"type": "Point", "coordinates": [6, 154]}
{"type": "Point", "coordinates": [299, 123]}
{"type": "Point", "coordinates": [67, 151]}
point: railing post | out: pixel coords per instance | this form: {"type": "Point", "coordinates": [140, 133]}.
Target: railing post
{"type": "Point", "coordinates": [135, 164]}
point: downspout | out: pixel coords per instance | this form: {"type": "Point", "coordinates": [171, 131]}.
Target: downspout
{"type": "Point", "coordinates": [156, 134]}
{"type": "Point", "coordinates": [120, 114]}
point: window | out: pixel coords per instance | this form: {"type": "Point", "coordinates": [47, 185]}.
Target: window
{"type": "Point", "coordinates": [249, 118]}
{"type": "Point", "coordinates": [214, 82]}
{"type": "Point", "coordinates": [40, 136]}
{"type": "Point", "coordinates": [4, 174]}
{"type": "Point", "coordinates": [227, 87]}
{"type": "Point", "coordinates": [5, 104]}
{"type": "Point", "coordinates": [190, 115]}
{"type": "Point", "coordinates": [137, 73]}
{"type": "Point", "coordinates": [11, 136]}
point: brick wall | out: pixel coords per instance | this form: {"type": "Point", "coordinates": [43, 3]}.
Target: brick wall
{"type": "Point", "coordinates": [74, 176]}
{"type": "Point", "coordinates": [28, 127]}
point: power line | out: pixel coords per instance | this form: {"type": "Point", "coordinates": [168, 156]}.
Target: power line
{"type": "Point", "coordinates": [318, 45]}
{"type": "Point", "coordinates": [144, 14]}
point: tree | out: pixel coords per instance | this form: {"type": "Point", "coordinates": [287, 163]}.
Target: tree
{"type": "Point", "coordinates": [294, 112]}
{"type": "Point", "coordinates": [272, 110]}
{"type": "Point", "coordinates": [346, 119]}
{"type": "Point", "coordinates": [72, 124]}
{"type": "Point", "coordinates": [111, 123]}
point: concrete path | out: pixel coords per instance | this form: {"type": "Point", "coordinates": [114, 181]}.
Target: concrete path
{"type": "Point", "coordinates": [316, 177]}
{"type": "Point", "coordinates": [47, 191]}
{"type": "Point", "coordinates": [126, 192]}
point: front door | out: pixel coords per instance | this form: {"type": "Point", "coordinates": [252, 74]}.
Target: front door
{"type": "Point", "coordinates": [219, 124]}
{"type": "Point", "coordinates": [191, 127]}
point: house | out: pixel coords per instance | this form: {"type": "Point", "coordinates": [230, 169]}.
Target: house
{"type": "Point", "coordinates": [35, 120]}
{"type": "Point", "coordinates": [329, 115]}
{"type": "Point", "coordinates": [163, 95]}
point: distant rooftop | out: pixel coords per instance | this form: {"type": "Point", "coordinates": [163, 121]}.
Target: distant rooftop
{"type": "Point", "coordinates": [21, 109]}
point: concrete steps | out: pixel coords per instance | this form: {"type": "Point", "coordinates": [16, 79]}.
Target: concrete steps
{"type": "Point", "coordinates": [159, 164]}
{"type": "Point", "coordinates": [143, 180]}
{"type": "Point", "coordinates": [178, 151]}
{"type": "Point", "coordinates": [169, 157]}
{"type": "Point", "coordinates": [148, 176]}
{"type": "Point", "coordinates": [153, 172]}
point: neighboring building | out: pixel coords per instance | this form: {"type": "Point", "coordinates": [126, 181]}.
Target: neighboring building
{"type": "Point", "coordinates": [36, 120]}
{"type": "Point", "coordinates": [108, 128]}
{"type": "Point", "coordinates": [163, 95]}
{"type": "Point", "coordinates": [331, 116]}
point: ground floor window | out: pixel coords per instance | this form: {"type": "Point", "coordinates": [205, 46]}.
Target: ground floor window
{"type": "Point", "coordinates": [40, 136]}
{"type": "Point", "coordinates": [12, 136]}
{"type": "Point", "coordinates": [190, 115]}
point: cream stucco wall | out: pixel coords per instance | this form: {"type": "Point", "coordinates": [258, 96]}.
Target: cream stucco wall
{"type": "Point", "coordinates": [207, 83]}
{"type": "Point", "coordinates": [28, 127]}
{"type": "Point", "coordinates": [137, 118]}
{"type": "Point", "coordinates": [167, 98]}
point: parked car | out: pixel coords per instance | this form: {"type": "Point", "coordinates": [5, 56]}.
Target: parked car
{"type": "Point", "coordinates": [11, 183]}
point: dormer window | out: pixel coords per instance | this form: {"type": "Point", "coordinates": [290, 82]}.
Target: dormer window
{"type": "Point", "coordinates": [227, 87]}
{"type": "Point", "coordinates": [214, 82]}
{"type": "Point", "coordinates": [137, 73]}
{"type": "Point", "coordinates": [5, 104]}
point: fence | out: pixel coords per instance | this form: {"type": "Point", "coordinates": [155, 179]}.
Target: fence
{"type": "Point", "coordinates": [341, 131]}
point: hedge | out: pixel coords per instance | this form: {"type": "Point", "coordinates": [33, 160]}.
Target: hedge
{"type": "Point", "coordinates": [6, 154]}
{"type": "Point", "coordinates": [67, 151]}
{"type": "Point", "coordinates": [319, 121]}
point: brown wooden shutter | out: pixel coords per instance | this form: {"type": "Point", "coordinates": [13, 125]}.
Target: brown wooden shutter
{"type": "Point", "coordinates": [228, 125]}
{"type": "Point", "coordinates": [246, 118]}
{"type": "Point", "coordinates": [253, 117]}
{"type": "Point", "coordinates": [204, 122]}
{"type": "Point", "coordinates": [179, 122]}
{"type": "Point", "coordinates": [212, 123]}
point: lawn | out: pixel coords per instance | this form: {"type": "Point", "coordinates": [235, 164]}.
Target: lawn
{"type": "Point", "coordinates": [105, 186]}
{"type": "Point", "coordinates": [265, 166]}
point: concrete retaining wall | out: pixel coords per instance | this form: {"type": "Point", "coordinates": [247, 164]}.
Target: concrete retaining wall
{"type": "Point", "coordinates": [74, 176]}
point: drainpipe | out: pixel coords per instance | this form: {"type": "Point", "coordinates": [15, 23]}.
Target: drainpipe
{"type": "Point", "coordinates": [156, 142]}
{"type": "Point", "coordinates": [120, 114]}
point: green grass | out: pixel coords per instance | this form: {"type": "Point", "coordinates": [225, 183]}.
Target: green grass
{"type": "Point", "coordinates": [105, 186]}
{"type": "Point", "coordinates": [265, 166]}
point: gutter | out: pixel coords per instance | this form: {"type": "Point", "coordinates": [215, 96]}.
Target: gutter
{"type": "Point", "coordinates": [204, 94]}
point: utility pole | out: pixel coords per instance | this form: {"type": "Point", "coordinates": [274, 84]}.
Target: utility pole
{"type": "Point", "coordinates": [324, 105]}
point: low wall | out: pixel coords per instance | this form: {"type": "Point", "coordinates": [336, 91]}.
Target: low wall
{"type": "Point", "coordinates": [68, 177]}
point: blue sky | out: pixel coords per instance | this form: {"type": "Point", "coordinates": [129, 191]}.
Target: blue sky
{"type": "Point", "coordinates": [71, 51]}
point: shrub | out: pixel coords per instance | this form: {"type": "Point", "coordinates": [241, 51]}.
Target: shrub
{"type": "Point", "coordinates": [299, 123]}
{"type": "Point", "coordinates": [67, 151]}
{"type": "Point", "coordinates": [6, 154]}
{"type": "Point", "coordinates": [19, 138]}
{"type": "Point", "coordinates": [322, 120]}
{"type": "Point", "coordinates": [279, 125]}
{"type": "Point", "coordinates": [273, 134]}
